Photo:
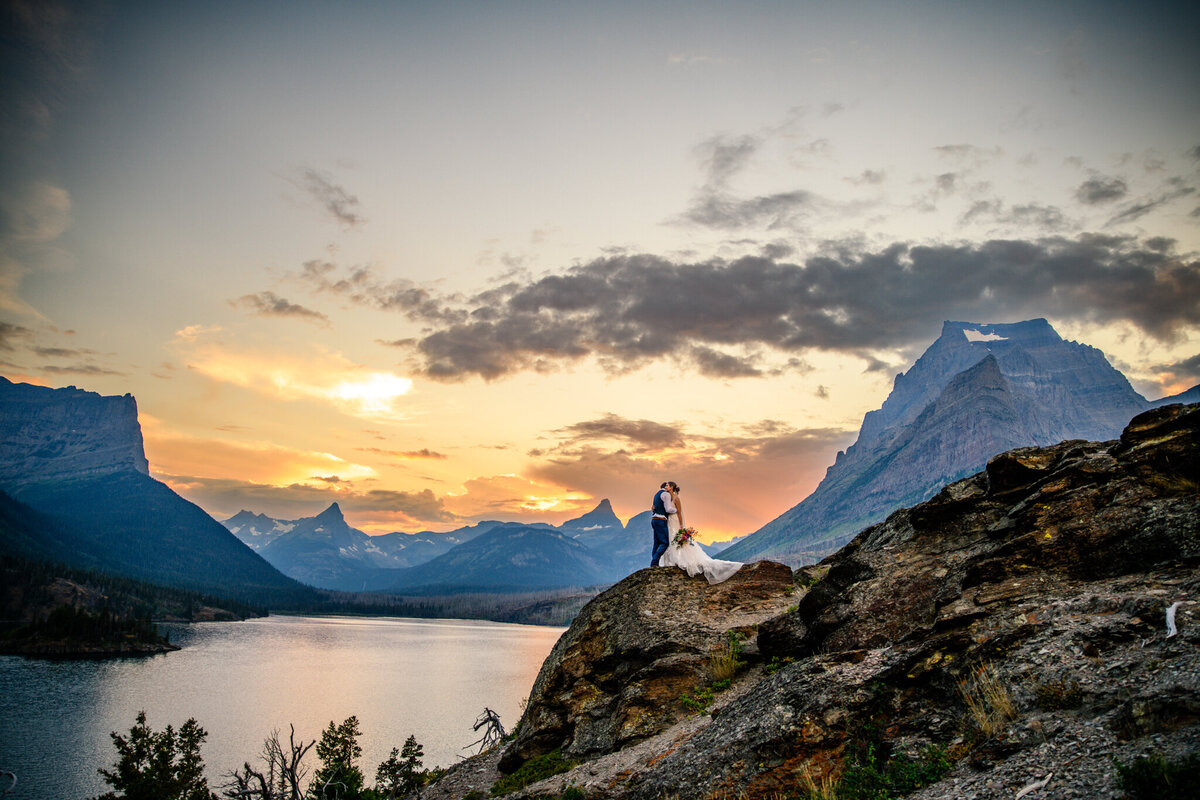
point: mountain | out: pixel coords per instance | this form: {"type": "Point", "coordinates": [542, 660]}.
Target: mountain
{"type": "Point", "coordinates": [978, 390]}
{"type": "Point", "coordinates": [324, 551]}
{"type": "Point", "coordinates": [509, 557]}
{"type": "Point", "coordinates": [1028, 626]}
{"type": "Point", "coordinates": [78, 491]}
{"type": "Point", "coordinates": [599, 522]}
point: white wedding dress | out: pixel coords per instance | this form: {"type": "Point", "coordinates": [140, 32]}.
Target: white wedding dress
{"type": "Point", "coordinates": [693, 559]}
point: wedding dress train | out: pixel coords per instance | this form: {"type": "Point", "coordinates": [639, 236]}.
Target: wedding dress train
{"type": "Point", "coordinates": [693, 559]}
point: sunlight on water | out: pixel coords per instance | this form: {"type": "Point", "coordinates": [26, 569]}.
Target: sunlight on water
{"type": "Point", "coordinates": [240, 680]}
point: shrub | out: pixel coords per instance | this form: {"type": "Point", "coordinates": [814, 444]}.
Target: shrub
{"type": "Point", "coordinates": [535, 769]}
{"type": "Point", "coordinates": [1155, 778]}
{"type": "Point", "coordinates": [698, 703]}
{"type": "Point", "coordinates": [869, 779]}
{"type": "Point", "coordinates": [1058, 695]}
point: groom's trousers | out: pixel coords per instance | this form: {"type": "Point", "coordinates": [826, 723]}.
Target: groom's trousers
{"type": "Point", "coordinates": [661, 540]}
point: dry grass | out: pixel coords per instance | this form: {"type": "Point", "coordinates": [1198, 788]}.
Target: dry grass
{"type": "Point", "coordinates": [824, 789]}
{"type": "Point", "coordinates": [725, 663]}
{"type": "Point", "coordinates": [987, 697]}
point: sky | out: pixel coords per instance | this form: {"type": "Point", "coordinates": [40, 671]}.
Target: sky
{"type": "Point", "coordinates": [443, 262]}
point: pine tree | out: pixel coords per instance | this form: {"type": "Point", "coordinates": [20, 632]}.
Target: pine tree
{"type": "Point", "coordinates": [401, 774]}
{"type": "Point", "coordinates": [339, 778]}
{"type": "Point", "coordinates": [158, 765]}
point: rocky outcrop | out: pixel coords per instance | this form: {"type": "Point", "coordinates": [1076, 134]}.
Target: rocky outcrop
{"type": "Point", "coordinates": [616, 676]}
{"type": "Point", "coordinates": [977, 391]}
{"type": "Point", "coordinates": [57, 434]}
{"type": "Point", "coordinates": [1016, 623]}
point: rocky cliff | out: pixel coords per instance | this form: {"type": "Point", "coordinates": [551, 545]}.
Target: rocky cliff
{"type": "Point", "coordinates": [75, 489]}
{"type": "Point", "coordinates": [51, 434]}
{"type": "Point", "coordinates": [978, 390]}
{"type": "Point", "coordinates": [1010, 637]}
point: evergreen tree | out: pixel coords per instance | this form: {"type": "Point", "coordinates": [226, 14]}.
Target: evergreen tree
{"type": "Point", "coordinates": [339, 778]}
{"type": "Point", "coordinates": [401, 774]}
{"type": "Point", "coordinates": [158, 765]}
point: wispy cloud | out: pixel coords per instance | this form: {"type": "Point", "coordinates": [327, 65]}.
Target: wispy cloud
{"type": "Point", "coordinates": [423, 453]}
{"type": "Point", "coordinates": [269, 304]}
{"type": "Point", "coordinates": [342, 206]}
{"type": "Point", "coordinates": [1098, 189]}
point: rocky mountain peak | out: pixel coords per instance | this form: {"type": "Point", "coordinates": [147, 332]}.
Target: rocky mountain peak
{"type": "Point", "coordinates": [49, 435]}
{"type": "Point", "coordinates": [979, 389]}
{"type": "Point", "coordinates": [333, 514]}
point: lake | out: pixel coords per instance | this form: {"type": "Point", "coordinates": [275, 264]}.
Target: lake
{"type": "Point", "coordinates": [241, 680]}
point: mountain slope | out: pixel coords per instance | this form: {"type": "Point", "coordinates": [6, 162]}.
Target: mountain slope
{"type": "Point", "coordinates": [976, 391]}
{"type": "Point", "coordinates": [76, 459]}
{"type": "Point", "coordinates": [511, 556]}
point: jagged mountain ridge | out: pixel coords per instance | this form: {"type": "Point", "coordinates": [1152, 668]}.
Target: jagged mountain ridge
{"type": "Point", "coordinates": [324, 551]}
{"type": "Point", "coordinates": [76, 477]}
{"type": "Point", "coordinates": [978, 390]}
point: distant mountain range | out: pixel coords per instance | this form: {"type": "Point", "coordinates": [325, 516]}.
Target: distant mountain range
{"type": "Point", "coordinates": [977, 391]}
{"type": "Point", "coordinates": [325, 551]}
{"type": "Point", "coordinates": [75, 489]}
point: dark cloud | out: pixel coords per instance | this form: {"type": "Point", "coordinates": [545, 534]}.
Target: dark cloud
{"type": "Point", "coordinates": [715, 364]}
{"type": "Point", "coordinates": [777, 250]}
{"type": "Point", "coordinates": [12, 334]}
{"type": "Point", "coordinates": [1140, 209]}
{"type": "Point", "coordinates": [715, 207]}
{"type": "Point", "coordinates": [340, 204]}
{"type": "Point", "coordinates": [269, 304]}
{"type": "Point", "coordinates": [1095, 191]}
{"type": "Point", "coordinates": [62, 352]}
{"type": "Point", "coordinates": [726, 212]}
{"type": "Point", "coordinates": [78, 369]}
{"type": "Point", "coordinates": [1027, 215]}
{"type": "Point", "coordinates": [360, 285]}
{"type": "Point", "coordinates": [641, 434]}
{"type": "Point", "coordinates": [1187, 370]}
{"type": "Point", "coordinates": [628, 310]}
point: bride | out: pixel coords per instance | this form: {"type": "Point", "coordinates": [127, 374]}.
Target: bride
{"type": "Point", "coordinates": [688, 555]}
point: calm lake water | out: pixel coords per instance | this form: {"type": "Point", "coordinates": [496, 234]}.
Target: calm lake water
{"type": "Point", "coordinates": [241, 680]}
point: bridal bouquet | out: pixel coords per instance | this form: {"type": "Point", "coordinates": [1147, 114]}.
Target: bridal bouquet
{"type": "Point", "coordinates": [684, 536]}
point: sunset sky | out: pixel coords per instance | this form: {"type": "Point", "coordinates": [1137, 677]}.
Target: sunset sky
{"type": "Point", "coordinates": [451, 261]}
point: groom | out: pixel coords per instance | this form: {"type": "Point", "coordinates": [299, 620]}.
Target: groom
{"type": "Point", "coordinates": [664, 504]}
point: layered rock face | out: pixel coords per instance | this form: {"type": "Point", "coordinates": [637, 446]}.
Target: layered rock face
{"type": "Point", "coordinates": [617, 674]}
{"type": "Point", "coordinates": [1045, 580]}
{"type": "Point", "coordinates": [977, 391]}
{"type": "Point", "coordinates": [50, 435]}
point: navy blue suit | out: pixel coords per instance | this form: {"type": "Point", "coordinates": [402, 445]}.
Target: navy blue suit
{"type": "Point", "coordinates": [659, 525]}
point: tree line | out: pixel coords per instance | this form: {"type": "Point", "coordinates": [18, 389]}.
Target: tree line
{"type": "Point", "coordinates": [166, 765]}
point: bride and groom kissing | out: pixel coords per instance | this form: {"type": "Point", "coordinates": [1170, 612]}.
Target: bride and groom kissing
{"type": "Point", "coordinates": [675, 545]}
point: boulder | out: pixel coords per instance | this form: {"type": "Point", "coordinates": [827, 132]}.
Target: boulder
{"type": "Point", "coordinates": [617, 675]}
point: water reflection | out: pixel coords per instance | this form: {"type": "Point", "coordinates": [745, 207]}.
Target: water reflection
{"type": "Point", "coordinates": [429, 678]}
